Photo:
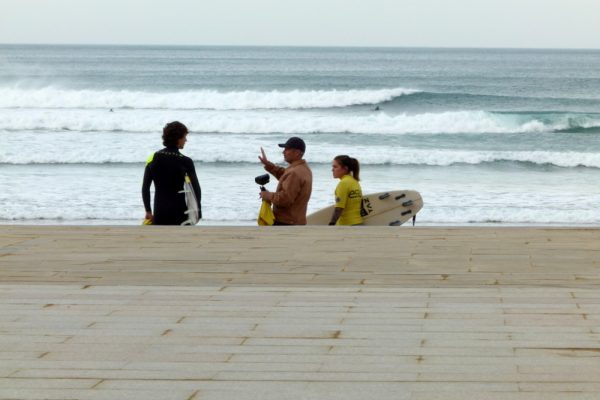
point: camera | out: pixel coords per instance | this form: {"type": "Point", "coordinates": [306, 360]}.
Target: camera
{"type": "Point", "coordinates": [262, 180]}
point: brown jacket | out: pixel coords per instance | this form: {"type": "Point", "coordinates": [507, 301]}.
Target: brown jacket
{"type": "Point", "coordinates": [293, 192]}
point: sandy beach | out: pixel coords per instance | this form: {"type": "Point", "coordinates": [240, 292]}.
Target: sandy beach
{"type": "Point", "coordinates": [311, 313]}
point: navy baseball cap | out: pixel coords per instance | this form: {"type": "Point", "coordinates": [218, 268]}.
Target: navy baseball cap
{"type": "Point", "coordinates": [294, 143]}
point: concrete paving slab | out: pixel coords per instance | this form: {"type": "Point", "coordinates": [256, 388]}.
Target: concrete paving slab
{"type": "Point", "coordinates": [300, 312]}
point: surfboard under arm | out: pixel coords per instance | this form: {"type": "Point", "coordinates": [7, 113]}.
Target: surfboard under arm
{"type": "Point", "coordinates": [391, 208]}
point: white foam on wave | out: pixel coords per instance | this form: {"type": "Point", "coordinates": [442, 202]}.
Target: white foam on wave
{"type": "Point", "coordinates": [51, 97]}
{"type": "Point", "coordinates": [560, 123]}
{"type": "Point", "coordinates": [120, 147]}
{"type": "Point", "coordinates": [272, 121]}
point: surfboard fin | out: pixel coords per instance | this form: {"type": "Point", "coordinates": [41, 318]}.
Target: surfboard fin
{"type": "Point", "coordinates": [407, 203]}
{"type": "Point", "coordinates": [384, 196]}
{"type": "Point", "coordinates": [403, 195]}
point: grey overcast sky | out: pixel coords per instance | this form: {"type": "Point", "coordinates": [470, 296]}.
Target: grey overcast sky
{"type": "Point", "coordinates": [429, 23]}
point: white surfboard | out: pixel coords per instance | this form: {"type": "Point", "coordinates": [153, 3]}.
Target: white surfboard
{"type": "Point", "coordinates": [392, 208]}
{"type": "Point", "coordinates": [191, 201]}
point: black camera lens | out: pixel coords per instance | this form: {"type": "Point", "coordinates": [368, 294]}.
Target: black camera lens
{"type": "Point", "coordinates": [262, 179]}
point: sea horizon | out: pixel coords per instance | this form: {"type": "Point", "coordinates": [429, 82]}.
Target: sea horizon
{"type": "Point", "coordinates": [301, 46]}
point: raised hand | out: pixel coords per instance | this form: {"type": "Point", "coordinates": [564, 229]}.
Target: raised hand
{"type": "Point", "coordinates": [263, 157]}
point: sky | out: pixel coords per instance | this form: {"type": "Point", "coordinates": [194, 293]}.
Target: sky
{"type": "Point", "coordinates": [401, 23]}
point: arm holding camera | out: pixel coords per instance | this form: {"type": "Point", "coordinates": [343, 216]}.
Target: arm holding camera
{"type": "Point", "coordinates": [287, 191]}
{"type": "Point", "coordinates": [266, 195]}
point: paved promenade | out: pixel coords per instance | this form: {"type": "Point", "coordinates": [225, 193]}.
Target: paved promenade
{"type": "Point", "coordinates": [299, 313]}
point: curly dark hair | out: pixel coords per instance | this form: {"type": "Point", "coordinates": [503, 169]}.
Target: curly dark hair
{"type": "Point", "coordinates": [172, 132]}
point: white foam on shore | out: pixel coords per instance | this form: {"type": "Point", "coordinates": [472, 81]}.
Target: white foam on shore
{"type": "Point", "coordinates": [487, 210]}
{"type": "Point", "coordinates": [107, 194]}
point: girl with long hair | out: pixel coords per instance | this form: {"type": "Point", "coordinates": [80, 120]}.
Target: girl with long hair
{"type": "Point", "coordinates": [348, 193]}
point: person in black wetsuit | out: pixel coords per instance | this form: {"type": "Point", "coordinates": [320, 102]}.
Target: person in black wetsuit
{"type": "Point", "coordinates": [167, 168]}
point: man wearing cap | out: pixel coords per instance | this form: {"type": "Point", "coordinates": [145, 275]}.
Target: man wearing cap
{"type": "Point", "coordinates": [294, 187]}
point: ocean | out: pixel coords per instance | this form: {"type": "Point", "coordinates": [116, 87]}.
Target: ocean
{"type": "Point", "coordinates": [487, 136]}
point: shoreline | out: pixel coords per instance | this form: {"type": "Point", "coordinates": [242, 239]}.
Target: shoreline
{"type": "Point", "coordinates": [252, 223]}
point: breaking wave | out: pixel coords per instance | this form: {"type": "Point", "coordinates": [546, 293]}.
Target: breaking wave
{"type": "Point", "coordinates": [290, 122]}
{"type": "Point", "coordinates": [51, 97]}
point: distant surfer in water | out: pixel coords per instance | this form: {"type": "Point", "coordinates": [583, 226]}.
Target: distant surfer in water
{"type": "Point", "coordinates": [167, 168]}
{"type": "Point", "coordinates": [348, 193]}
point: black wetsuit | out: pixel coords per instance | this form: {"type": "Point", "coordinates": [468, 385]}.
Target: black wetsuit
{"type": "Point", "coordinates": [167, 168]}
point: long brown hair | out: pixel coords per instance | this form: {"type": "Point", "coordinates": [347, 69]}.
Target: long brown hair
{"type": "Point", "coordinates": [350, 163]}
